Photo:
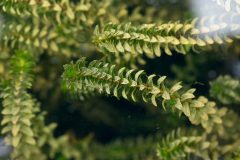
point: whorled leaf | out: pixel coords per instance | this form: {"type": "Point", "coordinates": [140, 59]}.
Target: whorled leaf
{"type": "Point", "coordinates": [226, 90]}
{"type": "Point", "coordinates": [18, 106]}
{"type": "Point", "coordinates": [153, 39]}
{"type": "Point", "coordinates": [178, 145]}
{"type": "Point", "coordinates": [97, 77]}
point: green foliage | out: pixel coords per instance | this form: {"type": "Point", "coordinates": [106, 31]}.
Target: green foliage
{"type": "Point", "coordinates": [222, 142]}
{"type": "Point", "coordinates": [150, 38]}
{"type": "Point", "coordinates": [140, 148]}
{"type": "Point", "coordinates": [45, 139]}
{"type": "Point", "coordinates": [49, 10]}
{"type": "Point", "coordinates": [97, 77]}
{"type": "Point", "coordinates": [35, 37]}
{"type": "Point", "coordinates": [55, 26]}
{"type": "Point", "coordinates": [18, 106]}
{"type": "Point", "coordinates": [38, 36]}
{"type": "Point", "coordinates": [23, 126]}
{"type": "Point", "coordinates": [224, 139]}
{"type": "Point", "coordinates": [178, 145]}
{"type": "Point", "coordinates": [226, 90]}
{"type": "Point", "coordinates": [237, 155]}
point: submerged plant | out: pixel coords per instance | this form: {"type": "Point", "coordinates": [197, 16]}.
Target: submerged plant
{"type": "Point", "coordinates": [117, 44]}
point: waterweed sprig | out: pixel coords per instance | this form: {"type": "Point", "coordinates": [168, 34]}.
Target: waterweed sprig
{"type": "Point", "coordinates": [97, 77]}
{"type": "Point", "coordinates": [18, 106]}
{"type": "Point", "coordinates": [178, 145]}
{"type": "Point", "coordinates": [59, 12]}
{"type": "Point", "coordinates": [151, 38]}
{"type": "Point", "coordinates": [226, 90]}
{"type": "Point", "coordinates": [35, 38]}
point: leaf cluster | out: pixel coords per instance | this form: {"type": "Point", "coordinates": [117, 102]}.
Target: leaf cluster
{"type": "Point", "coordinates": [226, 90]}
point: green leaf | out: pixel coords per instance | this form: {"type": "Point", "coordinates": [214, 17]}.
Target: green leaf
{"type": "Point", "coordinates": [120, 47]}
{"type": "Point", "coordinates": [153, 99]}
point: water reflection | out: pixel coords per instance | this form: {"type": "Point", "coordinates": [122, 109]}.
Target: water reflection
{"type": "Point", "coordinates": [221, 19]}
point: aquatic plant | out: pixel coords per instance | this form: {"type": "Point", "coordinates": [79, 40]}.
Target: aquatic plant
{"type": "Point", "coordinates": [113, 42]}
